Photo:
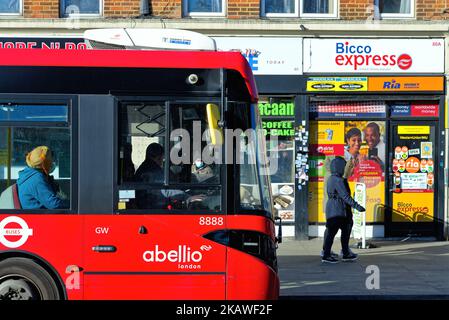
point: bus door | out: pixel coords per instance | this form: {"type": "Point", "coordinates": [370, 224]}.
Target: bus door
{"type": "Point", "coordinates": [155, 246]}
{"type": "Point", "coordinates": [413, 170]}
{"type": "Point", "coordinates": [114, 269]}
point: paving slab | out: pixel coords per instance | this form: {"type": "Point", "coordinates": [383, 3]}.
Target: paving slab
{"type": "Point", "coordinates": [411, 268]}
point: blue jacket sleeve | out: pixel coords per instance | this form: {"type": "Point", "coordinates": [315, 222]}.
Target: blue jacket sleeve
{"type": "Point", "coordinates": [344, 194]}
{"type": "Point", "coordinates": [47, 197]}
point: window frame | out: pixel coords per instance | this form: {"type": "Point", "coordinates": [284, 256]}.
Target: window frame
{"type": "Point", "coordinates": [71, 101]}
{"type": "Point", "coordinates": [56, 123]}
{"type": "Point", "coordinates": [14, 14]}
{"type": "Point", "coordinates": [410, 15]}
{"type": "Point", "coordinates": [237, 167]}
{"type": "Point", "coordinates": [80, 14]}
{"type": "Point", "coordinates": [333, 15]}
{"type": "Point", "coordinates": [279, 15]}
{"type": "Point", "coordinates": [299, 12]}
{"type": "Point", "coordinates": [193, 14]}
{"type": "Point", "coordinates": [169, 102]}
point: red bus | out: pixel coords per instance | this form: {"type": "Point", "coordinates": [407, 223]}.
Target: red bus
{"type": "Point", "coordinates": [122, 236]}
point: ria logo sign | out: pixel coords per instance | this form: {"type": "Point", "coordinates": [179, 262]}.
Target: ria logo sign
{"type": "Point", "coordinates": [10, 235]}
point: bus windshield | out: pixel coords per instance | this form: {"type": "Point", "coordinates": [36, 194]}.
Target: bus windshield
{"type": "Point", "coordinates": [251, 157]}
{"type": "Point", "coordinates": [166, 169]}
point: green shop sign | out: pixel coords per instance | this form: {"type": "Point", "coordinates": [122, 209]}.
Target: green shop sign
{"type": "Point", "coordinates": [278, 128]}
{"type": "Point", "coordinates": [277, 109]}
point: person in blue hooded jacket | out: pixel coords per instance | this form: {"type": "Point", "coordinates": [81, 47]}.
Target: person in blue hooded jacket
{"type": "Point", "coordinates": [338, 211]}
{"type": "Point", "coordinates": [35, 185]}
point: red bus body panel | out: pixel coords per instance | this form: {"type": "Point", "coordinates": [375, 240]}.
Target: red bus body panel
{"type": "Point", "coordinates": [132, 59]}
{"type": "Point", "coordinates": [184, 264]}
{"type": "Point", "coordinates": [249, 278]}
{"type": "Point", "coordinates": [173, 242]}
{"type": "Point", "coordinates": [58, 240]}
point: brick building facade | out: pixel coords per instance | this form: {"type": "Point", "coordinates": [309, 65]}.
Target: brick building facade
{"type": "Point", "coordinates": [235, 9]}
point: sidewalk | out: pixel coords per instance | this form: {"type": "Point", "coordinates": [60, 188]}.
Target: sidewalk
{"type": "Point", "coordinates": [406, 269]}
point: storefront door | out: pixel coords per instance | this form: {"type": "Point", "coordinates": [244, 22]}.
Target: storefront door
{"type": "Point", "coordinates": [413, 173]}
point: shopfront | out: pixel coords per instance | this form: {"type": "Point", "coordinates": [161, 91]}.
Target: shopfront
{"type": "Point", "coordinates": [362, 99]}
{"type": "Point", "coordinates": [277, 65]}
{"type": "Point", "coordinates": [379, 103]}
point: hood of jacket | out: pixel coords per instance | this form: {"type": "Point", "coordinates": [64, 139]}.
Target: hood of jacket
{"type": "Point", "coordinates": [26, 174]}
{"type": "Point", "coordinates": [338, 166]}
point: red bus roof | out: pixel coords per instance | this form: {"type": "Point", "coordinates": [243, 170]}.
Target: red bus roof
{"type": "Point", "coordinates": [132, 59]}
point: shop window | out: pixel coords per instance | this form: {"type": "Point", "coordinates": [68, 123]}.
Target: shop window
{"type": "Point", "coordinates": [161, 165]}
{"type": "Point", "coordinates": [396, 8]}
{"type": "Point", "coordinates": [301, 8]}
{"type": "Point", "coordinates": [11, 7]}
{"type": "Point", "coordinates": [273, 8]}
{"type": "Point", "coordinates": [277, 115]}
{"type": "Point", "coordinates": [204, 8]}
{"type": "Point", "coordinates": [319, 9]}
{"type": "Point", "coordinates": [22, 129]}
{"type": "Point", "coordinates": [414, 172]}
{"type": "Point", "coordinates": [85, 8]}
{"type": "Point", "coordinates": [363, 145]}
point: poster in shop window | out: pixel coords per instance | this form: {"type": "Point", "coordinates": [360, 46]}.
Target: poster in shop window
{"type": "Point", "coordinates": [414, 181]}
{"type": "Point", "coordinates": [426, 149]}
{"type": "Point", "coordinates": [362, 144]}
{"type": "Point", "coordinates": [365, 152]}
{"type": "Point", "coordinates": [414, 174]}
{"type": "Point", "coordinates": [413, 207]}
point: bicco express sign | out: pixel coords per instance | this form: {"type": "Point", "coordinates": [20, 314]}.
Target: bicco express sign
{"type": "Point", "coordinates": [373, 55]}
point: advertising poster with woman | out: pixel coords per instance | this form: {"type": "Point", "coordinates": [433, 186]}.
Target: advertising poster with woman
{"type": "Point", "coordinates": [365, 150]}
{"type": "Point", "coordinates": [326, 142]}
{"type": "Point", "coordinates": [362, 144]}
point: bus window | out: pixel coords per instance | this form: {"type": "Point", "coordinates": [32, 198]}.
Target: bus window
{"type": "Point", "coordinates": [149, 180]}
{"type": "Point", "coordinates": [263, 163]}
{"type": "Point", "coordinates": [193, 156]}
{"type": "Point", "coordinates": [250, 196]}
{"type": "Point", "coordinates": [254, 178]}
{"type": "Point", "coordinates": [141, 158]}
{"type": "Point", "coordinates": [25, 127]}
{"type": "Point", "coordinates": [141, 125]}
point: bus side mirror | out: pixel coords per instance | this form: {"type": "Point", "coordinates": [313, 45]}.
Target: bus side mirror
{"type": "Point", "coordinates": [279, 236]}
{"type": "Point", "coordinates": [213, 119]}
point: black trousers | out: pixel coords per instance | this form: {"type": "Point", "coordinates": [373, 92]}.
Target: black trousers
{"type": "Point", "coordinates": [350, 225]}
{"type": "Point", "coordinates": [332, 227]}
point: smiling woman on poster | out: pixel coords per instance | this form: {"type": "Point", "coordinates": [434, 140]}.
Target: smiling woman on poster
{"type": "Point", "coordinates": [353, 139]}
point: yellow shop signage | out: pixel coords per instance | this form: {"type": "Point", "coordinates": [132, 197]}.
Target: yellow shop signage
{"type": "Point", "coordinates": [413, 130]}
{"type": "Point", "coordinates": [337, 84]}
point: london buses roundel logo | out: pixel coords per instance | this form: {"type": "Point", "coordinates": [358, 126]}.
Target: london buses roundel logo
{"type": "Point", "coordinates": [10, 235]}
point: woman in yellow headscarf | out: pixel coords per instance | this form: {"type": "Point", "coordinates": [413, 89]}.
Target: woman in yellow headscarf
{"type": "Point", "coordinates": [34, 186]}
